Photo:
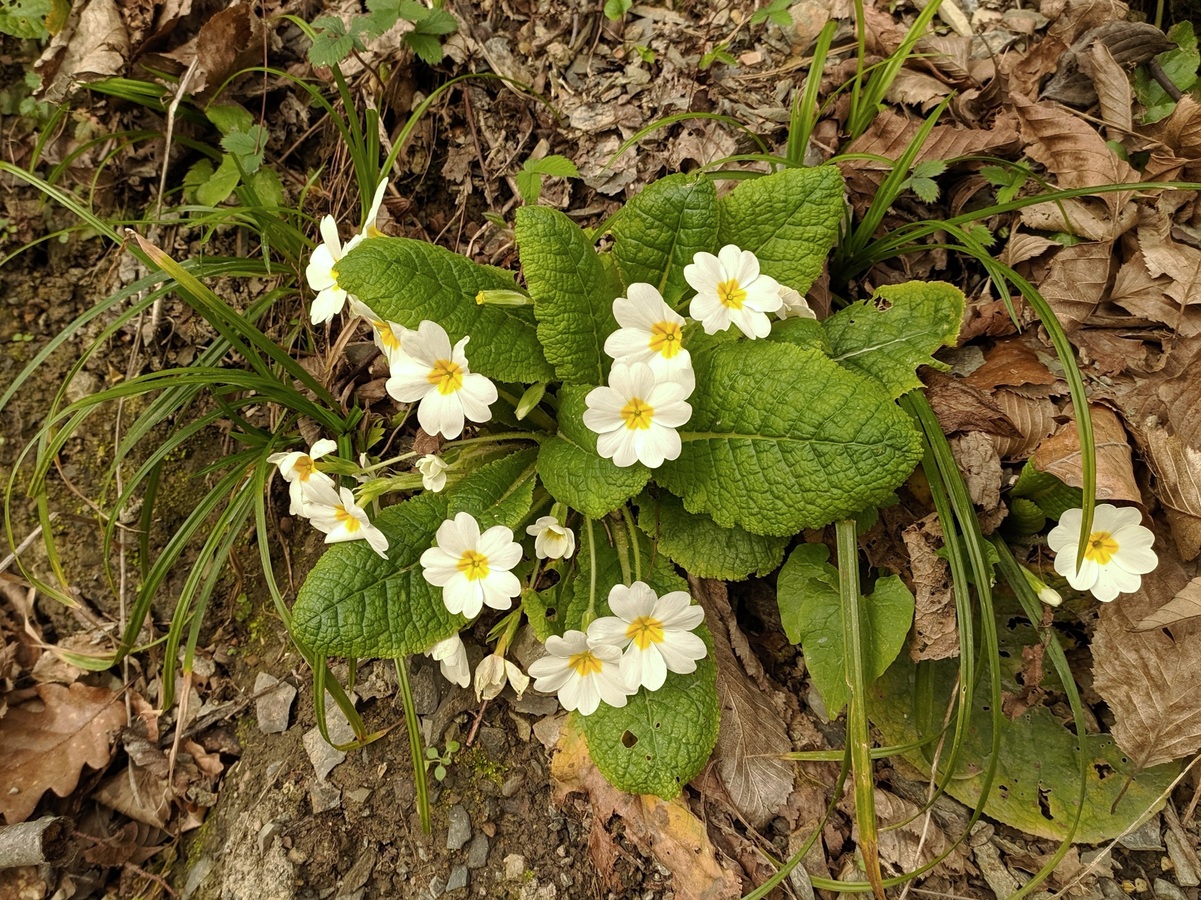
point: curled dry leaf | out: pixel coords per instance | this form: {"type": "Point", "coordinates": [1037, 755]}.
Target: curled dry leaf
{"type": "Point", "coordinates": [981, 467]}
{"type": "Point", "coordinates": [1184, 606]}
{"type": "Point", "coordinates": [752, 737]}
{"type": "Point", "coordinates": [1060, 456]}
{"type": "Point", "coordinates": [45, 744]}
{"type": "Point", "coordinates": [669, 832]}
{"type": "Point", "coordinates": [1112, 86]}
{"type": "Point", "coordinates": [1017, 383]}
{"type": "Point", "coordinates": [1139, 292]}
{"type": "Point", "coordinates": [935, 631]}
{"type": "Point", "coordinates": [1177, 468]}
{"type": "Point", "coordinates": [960, 407]}
{"type": "Point", "coordinates": [93, 45]}
{"type": "Point", "coordinates": [1145, 677]}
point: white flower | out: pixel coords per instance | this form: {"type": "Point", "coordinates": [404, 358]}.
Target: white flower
{"type": "Point", "coordinates": [582, 676]}
{"type": "Point", "coordinates": [493, 673]}
{"type": "Point", "coordinates": [656, 633]}
{"type": "Point", "coordinates": [731, 290]}
{"type": "Point", "coordinates": [300, 471]}
{"type": "Point", "coordinates": [651, 332]}
{"type": "Point", "coordinates": [320, 272]}
{"type": "Point", "coordinates": [388, 335]}
{"type": "Point", "coordinates": [433, 472]}
{"type": "Point", "coordinates": [552, 539]}
{"type": "Point", "coordinates": [452, 660]}
{"type": "Point", "coordinates": [1117, 555]}
{"type": "Point", "coordinates": [795, 306]}
{"type": "Point", "coordinates": [429, 370]}
{"type": "Point", "coordinates": [637, 415]}
{"type": "Point", "coordinates": [473, 569]}
{"type": "Point", "coordinates": [342, 519]}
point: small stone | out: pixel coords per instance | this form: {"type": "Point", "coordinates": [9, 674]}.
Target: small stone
{"type": "Point", "coordinates": [477, 851]}
{"type": "Point", "coordinates": [457, 880]}
{"type": "Point", "coordinates": [1186, 873]}
{"type": "Point", "coordinates": [512, 784]}
{"type": "Point", "coordinates": [268, 834]}
{"type": "Point", "coordinates": [324, 796]}
{"type": "Point", "coordinates": [532, 704]}
{"type": "Point", "coordinates": [323, 756]}
{"type": "Point", "coordinates": [437, 886]}
{"type": "Point", "coordinates": [427, 692]}
{"type": "Point", "coordinates": [547, 730]}
{"type": "Point", "coordinates": [524, 731]}
{"type": "Point", "coordinates": [274, 703]}
{"type": "Point", "coordinates": [459, 831]}
{"type": "Point", "coordinates": [358, 795]}
{"type": "Point", "coordinates": [514, 867]}
{"type": "Point", "coordinates": [1145, 837]}
{"type": "Point", "coordinates": [1165, 890]}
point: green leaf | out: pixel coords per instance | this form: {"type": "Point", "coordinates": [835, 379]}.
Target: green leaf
{"type": "Point", "coordinates": [248, 146]}
{"type": "Point", "coordinates": [542, 610]}
{"type": "Point", "coordinates": [572, 471]}
{"type": "Point", "coordinates": [409, 10]}
{"type": "Point", "coordinates": [355, 604]}
{"type": "Point", "coordinates": [573, 293]}
{"type": "Point", "coordinates": [427, 46]}
{"type": "Point", "coordinates": [789, 220]}
{"type": "Point", "coordinates": [267, 188]}
{"type": "Point", "coordinates": [553, 165]}
{"type": "Point", "coordinates": [782, 439]}
{"type": "Point", "coordinates": [657, 232]}
{"type": "Point", "coordinates": [615, 9]}
{"type": "Point", "coordinates": [1037, 782]}
{"type": "Point", "coordinates": [890, 335]}
{"type": "Point", "coordinates": [217, 189]}
{"type": "Point", "coordinates": [436, 21]}
{"type": "Point", "coordinates": [701, 546]}
{"type": "Point", "coordinates": [24, 18]}
{"type": "Point", "coordinates": [717, 54]}
{"type": "Point", "coordinates": [331, 43]}
{"type": "Point", "coordinates": [230, 118]}
{"type": "Point", "coordinates": [807, 591]}
{"type": "Point", "coordinates": [529, 185]}
{"type": "Point", "coordinates": [1179, 65]}
{"type": "Point", "coordinates": [777, 11]}
{"type": "Point", "coordinates": [802, 333]}
{"type": "Point", "coordinates": [406, 281]}
{"type": "Point", "coordinates": [1046, 491]}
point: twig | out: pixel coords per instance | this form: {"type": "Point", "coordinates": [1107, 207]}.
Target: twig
{"type": "Point", "coordinates": [1161, 77]}
{"type": "Point", "coordinates": [34, 843]}
{"type": "Point", "coordinates": [24, 545]}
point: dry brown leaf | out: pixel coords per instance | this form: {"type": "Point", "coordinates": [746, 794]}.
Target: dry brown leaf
{"type": "Point", "coordinates": [1184, 606]}
{"type": "Point", "coordinates": [1022, 246]}
{"type": "Point", "coordinates": [1137, 291]}
{"type": "Point", "coordinates": [1177, 261]}
{"type": "Point", "coordinates": [908, 839]}
{"type": "Point", "coordinates": [916, 89]}
{"type": "Point", "coordinates": [981, 467]}
{"type": "Point", "coordinates": [1013, 364]}
{"type": "Point", "coordinates": [1113, 88]}
{"type": "Point", "coordinates": [1147, 678]}
{"type": "Point", "coordinates": [140, 793]}
{"type": "Point", "coordinates": [1060, 456]}
{"type": "Point", "coordinates": [669, 832]}
{"type": "Point", "coordinates": [1177, 469]}
{"type": "Point", "coordinates": [1085, 217]}
{"type": "Point", "coordinates": [228, 41]}
{"type": "Point", "coordinates": [752, 737]}
{"type": "Point", "coordinates": [45, 744]}
{"type": "Point", "coordinates": [93, 45]}
{"type": "Point", "coordinates": [962, 407]}
{"type": "Point", "coordinates": [935, 632]}
{"type": "Point", "coordinates": [1076, 282]}
{"type": "Point", "coordinates": [1034, 419]}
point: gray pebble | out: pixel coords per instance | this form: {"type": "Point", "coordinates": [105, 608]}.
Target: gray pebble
{"type": "Point", "coordinates": [427, 692]}
{"type": "Point", "coordinates": [457, 880]}
{"type": "Point", "coordinates": [1165, 890]}
{"type": "Point", "coordinates": [1145, 837]}
{"type": "Point", "coordinates": [274, 704]}
{"type": "Point", "coordinates": [324, 796]}
{"type": "Point", "coordinates": [322, 755]}
{"type": "Point", "coordinates": [532, 704]}
{"type": "Point", "coordinates": [512, 784]}
{"type": "Point", "coordinates": [477, 851]}
{"type": "Point", "coordinates": [514, 867]}
{"type": "Point", "coordinates": [268, 834]}
{"type": "Point", "coordinates": [437, 886]}
{"type": "Point", "coordinates": [459, 832]}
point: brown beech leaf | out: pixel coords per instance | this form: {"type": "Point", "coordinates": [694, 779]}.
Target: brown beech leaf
{"type": "Point", "coordinates": [1112, 85]}
{"type": "Point", "coordinates": [93, 45]}
{"type": "Point", "coordinates": [1022, 246]}
{"type": "Point", "coordinates": [1013, 364]}
{"type": "Point", "coordinates": [907, 839]}
{"type": "Point", "coordinates": [752, 737]}
{"type": "Point", "coordinates": [1071, 148]}
{"type": "Point", "coordinates": [669, 832]}
{"type": "Point", "coordinates": [935, 632]}
{"type": "Point", "coordinates": [1060, 456]}
{"type": "Point", "coordinates": [1034, 419]}
{"type": "Point", "coordinates": [1177, 261]}
{"type": "Point", "coordinates": [981, 467]}
{"type": "Point", "coordinates": [962, 407]}
{"type": "Point", "coordinates": [1185, 605]}
{"type": "Point", "coordinates": [1149, 678]}
{"type": "Point", "coordinates": [1177, 469]}
{"type": "Point", "coordinates": [1139, 292]}
{"type": "Point", "coordinates": [1087, 217]}
{"type": "Point", "coordinates": [1076, 282]}
{"type": "Point", "coordinates": [45, 744]}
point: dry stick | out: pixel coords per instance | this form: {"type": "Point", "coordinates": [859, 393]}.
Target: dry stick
{"type": "Point", "coordinates": [23, 546]}
{"type": "Point", "coordinates": [40, 842]}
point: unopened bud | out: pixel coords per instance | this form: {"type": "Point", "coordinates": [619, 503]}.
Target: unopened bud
{"type": "Point", "coordinates": [501, 297]}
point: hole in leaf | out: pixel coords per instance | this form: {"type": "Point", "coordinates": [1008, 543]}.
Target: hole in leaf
{"type": "Point", "coordinates": [1003, 790]}
{"type": "Point", "coordinates": [629, 739]}
{"type": "Point", "coordinates": [1044, 804]}
{"type": "Point", "coordinates": [658, 725]}
{"type": "Point", "coordinates": [1103, 770]}
{"type": "Point", "coordinates": [551, 614]}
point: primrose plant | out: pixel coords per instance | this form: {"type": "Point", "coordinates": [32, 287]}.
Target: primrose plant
{"type": "Point", "coordinates": [666, 404]}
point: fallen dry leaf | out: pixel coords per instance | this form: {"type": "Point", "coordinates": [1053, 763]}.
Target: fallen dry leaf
{"type": "Point", "coordinates": [1185, 605]}
{"type": "Point", "coordinates": [752, 737]}
{"type": "Point", "coordinates": [669, 832]}
{"type": "Point", "coordinates": [1060, 456]}
{"type": "Point", "coordinates": [935, 634]}
{"type": "Point", "coordinates": [1086, 217]}
{"type": "Point", "coordinates": [962, 407]}
{"type": "Point", "coordinates": [45, 744]}
{"type": "Point", "coordinates": [1071, 149]}
{"type": "Point", "coordinates": [907, 838]}
{"type": "Point", "coordinates": [981, 467]}
{"type": "Point", "coordinates": [1112, 85]}
{"type": "Point", "coordinates": [93, 45]}
{"type": "Point", "coordinates": [1137, 291]}
{"type": "Point", "coordinates": [1177, 469]}
{"type": "Point", "coordinates": [1076, 282]}
{"type": "Point", "coordinates": [1179, 262]}
{"type": "Point", "coordinates": [228, 41]}
{"type": "Point", "coordinates": [1145, 676]}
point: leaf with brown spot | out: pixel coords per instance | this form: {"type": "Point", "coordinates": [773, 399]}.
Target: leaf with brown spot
{"type": "Point", "coordinates": [45, 744]}
{"type": "Point", "coordinates": [1147, 678]}
{"type": "Point", "coordinates": [1184, 606]}
{"type": "Point", "coordinates": [1060, 456]}
{"type": "Point", "coordinates": [669, 832]}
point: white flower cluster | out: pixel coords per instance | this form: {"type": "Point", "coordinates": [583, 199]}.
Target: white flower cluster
{"type": "Point", "coordinates": [317, 497]}
{"type": "Point", "coordinates": [636, 415]}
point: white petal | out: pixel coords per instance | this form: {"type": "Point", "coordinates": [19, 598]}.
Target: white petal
{"type": "Point", "coordinates": [476, 396]}
{"type": "Point", "coordinates": [608, 630]}
{"type": "Point", "coordinates": [442, 414]}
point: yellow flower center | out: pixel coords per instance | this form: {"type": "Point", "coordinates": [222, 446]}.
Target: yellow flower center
{"type": "Point", "coordinates": [665, 338]}
{"type": "Point", "coordinates": [1101, 547]}
{"type": "Point", "coordinates": [387, 336]}
{"type": "Point", "coordinates": [346, 520]}
{"type": "Point", "coordinates": [473, 564]}
{"type": "Point", "coordinates": [585, 664]}
{"type": "Point", "coordinates": [731, 294]}
{"type": "Point", "coordinates": [447, 375]}
{"type": "Point", "coordinates": [372, 231]}
{"type": "Point", "coordinates": [645, 631]}
{"type": "Point", "coordinates": [637, 415]}
{"type": "Point", "coordinates": [304, 467]}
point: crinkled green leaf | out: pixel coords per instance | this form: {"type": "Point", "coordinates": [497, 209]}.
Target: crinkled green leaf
{"type": "Point", "coordinates": [573, 472]}
{"type": "Point", "coordinates": [782, 439]}
{"type": "Point", "coordinates": [659, 740]}
{"type": "Point", "coordinates": [802, 333]}
{"type": "Point", "coordinates": [406, 281]}
{"type": "Point", "coordinates": [890, 335]}
{"type": "Point", "coordinates": [248, 146]}
{"type": "Point", "coordinates": [657, 233]}
{"type": "Point", "coordinates": [1050, 494]}
{"type": "Point", "coordinates": [545, 609]}
{"type": "Point", "coordinates": [356, 604]}
{"type": "Point", "coordinates": [701, 546]}
{"type": "Point", "coordinates": [554, 165]}
{"type": "Point", "coordinates": [573, 293]}
{"type": "Point", "coordinates": [810, 611]}
{"type": "Point", "coordinates": [1037, 782]}
{"type": "Point", "coordinates": [427, 46]}
{"type": "Point", "coordinates": [789, 220]}
{"type": "Point", "coordinates": [230, 118]}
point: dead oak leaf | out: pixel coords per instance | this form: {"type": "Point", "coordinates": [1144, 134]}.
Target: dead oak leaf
{"type": "Point", "coordinates": [45, 744]}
